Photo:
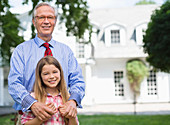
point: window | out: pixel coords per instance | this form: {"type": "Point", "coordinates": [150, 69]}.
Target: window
{"type": "Point", "coordinates": [140, 31]}
{"type": "Point", "coordinates": [119, 87]}
{"type": "Point", "coordinates": [115, 36]}
{"type": "Point", "coordinates": [151, 83]}
{"type": "Point", "coordinates": [80, 50]}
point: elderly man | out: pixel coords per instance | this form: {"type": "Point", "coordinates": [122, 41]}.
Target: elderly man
{"type": "Point", "coordinates": [23, 63]}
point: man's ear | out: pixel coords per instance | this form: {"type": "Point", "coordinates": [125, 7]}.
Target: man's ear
{"type": "Point", "coordinates": [55, 21]}
{"type": "Point", "coordinates": [33, 21]}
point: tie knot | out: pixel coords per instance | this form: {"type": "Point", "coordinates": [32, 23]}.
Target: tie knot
{"type": "Point", "coordinates": [48, 50]}
{"type": "Point", "coordinates": [46, 45]}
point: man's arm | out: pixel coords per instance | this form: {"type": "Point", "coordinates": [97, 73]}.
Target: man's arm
{"type": "Point", "coordinates": [77, 87]}
{"type": "Point", "coordinates": [16, 87]}
{"type": "Point", "coordinates": [75, 81]}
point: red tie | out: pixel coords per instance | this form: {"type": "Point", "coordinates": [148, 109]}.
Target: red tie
{"type": "Point", "coordinates": [48, 50]}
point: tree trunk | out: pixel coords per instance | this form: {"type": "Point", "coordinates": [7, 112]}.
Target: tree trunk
{"type": "Point", "coordinates": [134, 103]}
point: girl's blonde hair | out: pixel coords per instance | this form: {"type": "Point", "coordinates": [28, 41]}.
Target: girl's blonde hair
{"type": "Point", "coordinates": [39, 86]}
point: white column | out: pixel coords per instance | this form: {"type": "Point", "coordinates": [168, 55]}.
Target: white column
{"type": "Point", "coordinates": [1, 87]}
{"type": "Point", "coordinates": [88, 99]}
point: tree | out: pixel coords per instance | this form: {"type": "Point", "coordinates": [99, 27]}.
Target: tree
{"type": "Point", "coordinates": [136, 72]}
{"type": "Point", "coordinates": [74, 14]}
{"type": "Point", "coordinates": [144, 2]}
{"type": "Point", "coordinates": [157, 39]}
{"type": "Point", "coordinates": [9, 28]}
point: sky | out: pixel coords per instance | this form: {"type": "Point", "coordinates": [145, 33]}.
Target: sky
{"type": "Point", "coordinates": [17, 6]}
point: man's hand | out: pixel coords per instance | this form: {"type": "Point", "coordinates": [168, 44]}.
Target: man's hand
{"type": "Point", "coordinates": [41, 111]}
{"type": "Point", "coordinates": [69, 109]}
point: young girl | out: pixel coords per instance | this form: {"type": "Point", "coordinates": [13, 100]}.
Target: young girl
{"type": "Point", "coordinates": [49, 88]}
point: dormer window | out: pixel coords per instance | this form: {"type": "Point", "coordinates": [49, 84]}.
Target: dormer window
{"type": "Point", "coordinates": [115, 36]}
{"type": "Point", "coordinates": [140, 30]}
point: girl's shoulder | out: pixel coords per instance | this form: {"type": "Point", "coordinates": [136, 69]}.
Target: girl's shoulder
{"type": "Point", "coordinates": [32, 94]}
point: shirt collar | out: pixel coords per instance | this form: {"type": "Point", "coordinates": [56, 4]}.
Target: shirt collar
{"type": "Point", "coordinates": [48, 94]}
{"type": "Point", "coordinates": [40, 42]}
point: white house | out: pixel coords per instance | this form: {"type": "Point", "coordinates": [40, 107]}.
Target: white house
{"type": "Point", "coordinates": [117, 38]}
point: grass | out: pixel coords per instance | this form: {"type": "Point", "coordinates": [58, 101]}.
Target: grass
{"type": "Point", "coordinates": [6, 120]}
{"type": "Point", "coordinates": [125, 120]}
{"type": "Point", "coordinates": [110, 120]}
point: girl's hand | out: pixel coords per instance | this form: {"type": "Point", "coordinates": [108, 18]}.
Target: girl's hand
{"type": "Point", "coordinates": [51, 106]}
{"type": "Point", "coordinates": [62, 109]}
{"type": "Point", "coordinates": [68, 110]}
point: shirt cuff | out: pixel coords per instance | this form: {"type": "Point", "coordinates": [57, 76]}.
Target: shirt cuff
{"type": "Point", "coordinates": [76, 97]}
{"type": "Point", "coordinates": [27, 102]}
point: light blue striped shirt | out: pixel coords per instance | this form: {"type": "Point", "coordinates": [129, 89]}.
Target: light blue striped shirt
{"type": "Point", "coordinates": [22, 71]}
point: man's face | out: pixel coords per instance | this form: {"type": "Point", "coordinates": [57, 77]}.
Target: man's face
{"type": "Point", "coordinates": [44, 21]}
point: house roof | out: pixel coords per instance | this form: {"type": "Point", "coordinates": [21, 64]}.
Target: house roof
{"type": "Point", "coordinates": [125, 16]}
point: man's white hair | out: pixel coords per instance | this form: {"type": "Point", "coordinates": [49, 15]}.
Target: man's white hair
{"type": "Point", "coordinates": [43, 4]}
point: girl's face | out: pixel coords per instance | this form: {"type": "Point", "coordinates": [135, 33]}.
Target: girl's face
{"type": "Point", "coordinates": [50, 76]}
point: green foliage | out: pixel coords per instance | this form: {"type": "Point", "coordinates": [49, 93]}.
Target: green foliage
{"type": "Point", "coordinates": [157, 39]}
{"type": "Point", "coordinates": [3, 5]}
{"type": "Point", "coordinates": [144, 2]}
{"type": "Point", "coordinates": [136, 72]}
{"type": "Point", "coordinates": [74, 14]}
{"type": "Point", "coordinates": [9, 28]}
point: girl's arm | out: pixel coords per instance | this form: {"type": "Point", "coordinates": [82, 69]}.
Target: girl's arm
{"type": "Point", "coordinates": [34, 121]}
{"type": "Point", "coordinates": [73, 121]}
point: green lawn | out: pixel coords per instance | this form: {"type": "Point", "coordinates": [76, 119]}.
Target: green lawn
{"type": "Point", "coordinates": [110, 120]}
{"type": "Point", "coordinates": [125, 120]}
{"type": "Point", "coordinates": [6, 120]}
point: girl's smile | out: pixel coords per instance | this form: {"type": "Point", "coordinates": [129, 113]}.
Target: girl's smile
{"type": "Point", "coordinates": [50, 76]}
